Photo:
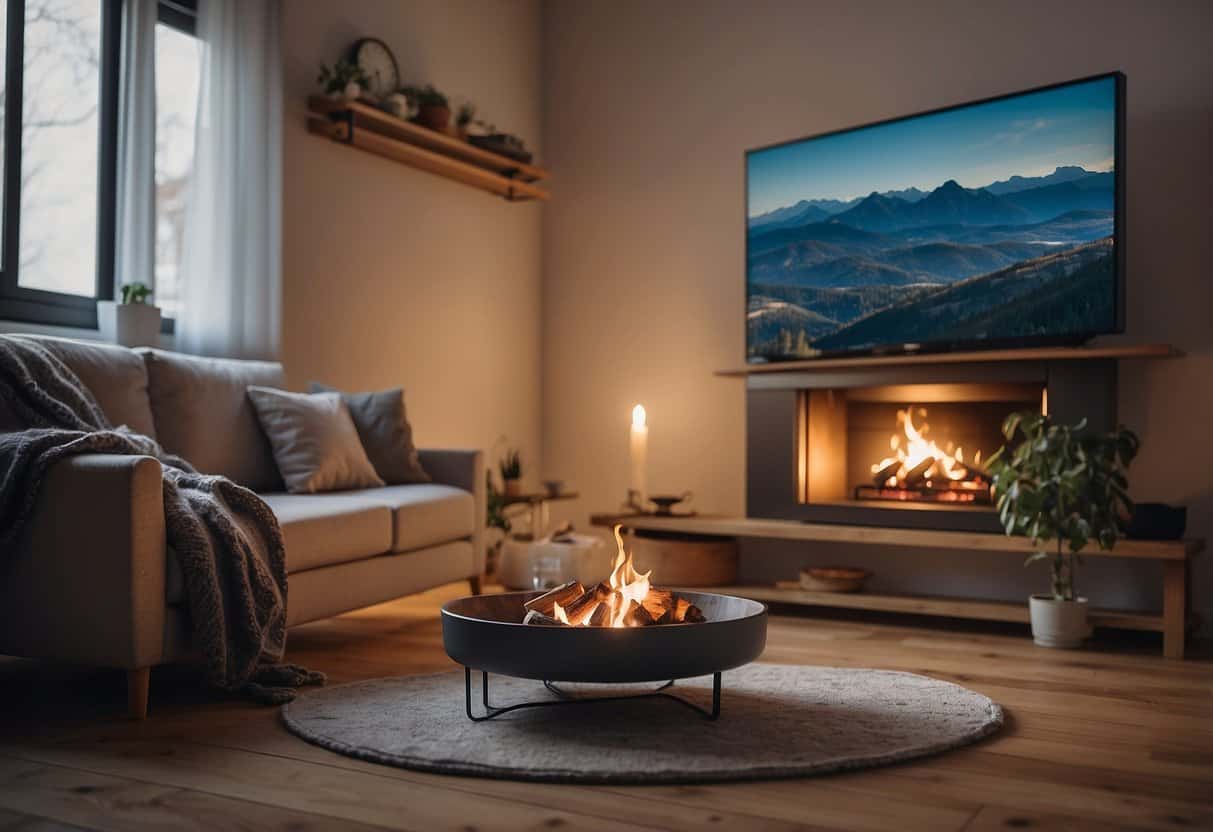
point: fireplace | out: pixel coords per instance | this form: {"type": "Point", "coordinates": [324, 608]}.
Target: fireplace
{"type": "Point", "coordinates": [906, 443]}
{"type": "Point", "coordinates": [904, 446]}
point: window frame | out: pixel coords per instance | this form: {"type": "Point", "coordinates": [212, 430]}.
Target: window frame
{"type": "Point", "coordinates": [21, 303]}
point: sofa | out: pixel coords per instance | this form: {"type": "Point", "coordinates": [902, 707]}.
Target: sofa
{"type": "Point", "coordinates": [93, 581]}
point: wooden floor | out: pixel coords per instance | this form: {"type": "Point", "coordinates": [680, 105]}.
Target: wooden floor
{"type": "Point", "coordinates": [1099, 739]}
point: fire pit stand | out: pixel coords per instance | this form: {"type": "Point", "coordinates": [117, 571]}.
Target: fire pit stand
{"type": "Point", "coordinates": [486, 633]}
{"type": "Point", "coordinates": [567, 699]}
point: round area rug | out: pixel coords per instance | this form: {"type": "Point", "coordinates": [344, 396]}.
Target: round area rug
{"type": "Point", "coordinates": [775, 721]}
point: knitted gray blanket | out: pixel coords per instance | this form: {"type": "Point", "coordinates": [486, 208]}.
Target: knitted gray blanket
{"type": "Point", "coordinates": [227, 539]}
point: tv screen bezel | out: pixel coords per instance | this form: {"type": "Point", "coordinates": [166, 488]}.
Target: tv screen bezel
{"type": "Point", "coordinates": [975, 344]}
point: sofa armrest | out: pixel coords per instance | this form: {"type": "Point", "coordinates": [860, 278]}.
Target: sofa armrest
{"type": "Point", "coordinates": [86, 584]}
{"type": "Point", "coordinates": [462, 469]}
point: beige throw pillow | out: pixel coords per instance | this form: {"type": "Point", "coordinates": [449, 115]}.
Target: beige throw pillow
{"type": "Point", "coordinates": [314, 440]}
{"type": "Point", "coordinates": [387, 436]}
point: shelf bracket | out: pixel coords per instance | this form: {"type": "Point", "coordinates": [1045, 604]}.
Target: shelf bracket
{"type": "Point", "coordinates": [345, 117]}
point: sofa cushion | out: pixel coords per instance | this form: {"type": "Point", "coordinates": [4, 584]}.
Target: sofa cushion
{"type": "Point", "coordinates": [315, 442]}
{"type": "Point", "coordinates": [325, 529]}
{"type": "Point", "coordinates": [424, 514]}
{"type": "Point", "coordinates": [114, 375]}
{"type": "Point", "coordinates": [203, 414]}
{"type": "Point", "coordinates": [385, 433]}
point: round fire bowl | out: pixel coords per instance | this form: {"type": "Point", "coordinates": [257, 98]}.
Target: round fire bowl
{"type": "Point", "coordinates": [485, 632]}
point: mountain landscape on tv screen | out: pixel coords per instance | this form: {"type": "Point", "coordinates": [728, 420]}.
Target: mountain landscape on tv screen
{"type": "Point", "coordinates": [1023, 256]}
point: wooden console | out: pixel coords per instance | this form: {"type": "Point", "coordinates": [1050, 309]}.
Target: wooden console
{"type": "Point", "coordinates": [1176, 556]}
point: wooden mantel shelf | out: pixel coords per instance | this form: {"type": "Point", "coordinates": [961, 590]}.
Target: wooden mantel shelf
{"type": "Point", "coordinates": [374, 131]}
{"type": "Point", "coordinates": [1026, 354]}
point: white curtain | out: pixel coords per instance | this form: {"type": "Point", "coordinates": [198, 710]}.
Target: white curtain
{"type": "Point", "coordinates": [135, 247]}
{"type": "Point", "coordinates": [231, 292]}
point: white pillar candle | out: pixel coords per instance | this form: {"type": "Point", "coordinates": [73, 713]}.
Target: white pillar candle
{"type": "Point", "coordinates": [640, 452]}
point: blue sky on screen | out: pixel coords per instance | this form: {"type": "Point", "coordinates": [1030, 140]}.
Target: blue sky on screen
{"type": "Point", "coordinates": [1029, 135]}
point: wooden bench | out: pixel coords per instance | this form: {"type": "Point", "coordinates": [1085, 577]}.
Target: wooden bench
{"type": "Point", "coordinates": [1176, 557]}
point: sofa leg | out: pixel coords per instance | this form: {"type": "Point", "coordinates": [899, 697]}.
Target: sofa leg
{"type": "Point", "coordinates": [137, 682]}
{"type": "Point", "coordinates": [474, 583]}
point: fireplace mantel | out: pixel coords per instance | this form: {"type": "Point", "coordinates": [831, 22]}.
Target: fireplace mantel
{"type": "Point", "coordinates": [979, 357]}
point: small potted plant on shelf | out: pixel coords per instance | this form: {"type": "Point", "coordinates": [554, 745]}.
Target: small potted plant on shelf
{"type": "Point", "coordinates": [510, 468]}
{"type": "Point", "coordinates": [343, 79]}
{"type": "Point", "coordinates": [130, 321]}
{"type": "Point", "coordinates": [464, 119]}
{"type": "Point", "coordinates": [1064, 489]}
{"type": "Point", "coordinates": [433, 109]}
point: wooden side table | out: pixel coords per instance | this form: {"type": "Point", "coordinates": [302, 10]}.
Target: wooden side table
{"type": "Point", "coordinates": [538, 503]}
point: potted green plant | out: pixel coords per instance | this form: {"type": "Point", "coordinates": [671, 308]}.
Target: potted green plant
{"type": "Point", "coordinates": [433, 109]}
{"type": "Point", "coordinates": [130, 321]}
{"type": "Point", "coordinates": [464, 119]}
{"type": "Point", "coordinates": [510, 468]}
{"type": "Point", "coordinates": [344, 79]}
{"type": "Point", "coordinates": [1064, 488]}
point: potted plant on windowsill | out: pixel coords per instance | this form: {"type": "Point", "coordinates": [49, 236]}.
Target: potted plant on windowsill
{"type": "Point", "coordinates": [1064, 489]}
{"type": "Point", "coordinates": [130, 321]}
{"type": "Point", "coordinates": [510, 468]}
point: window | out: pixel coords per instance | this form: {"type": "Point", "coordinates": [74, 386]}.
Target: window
{"type": "Point", "coordinates": [60, 121]}
{"type": "Point", "coordinates": [58, 153]}
{"type": "Point", "coordinates": [177, 83]}
{"type": "Point", "coordinates": [59, 109]}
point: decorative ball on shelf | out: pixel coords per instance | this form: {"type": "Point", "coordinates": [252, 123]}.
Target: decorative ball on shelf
{"type": "Point", "coordinates": [396, 104]}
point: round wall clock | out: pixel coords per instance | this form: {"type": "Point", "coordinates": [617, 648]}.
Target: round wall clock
{"type": "Point", "coordinates": [374, 58]}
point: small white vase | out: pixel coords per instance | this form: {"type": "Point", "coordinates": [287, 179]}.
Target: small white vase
{"type": "Point", "coordinates": [129, 324]}
{"type": "Point", "coordinates": [1058, 623]}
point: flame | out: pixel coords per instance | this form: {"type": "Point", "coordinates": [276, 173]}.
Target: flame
{"type": "Point", "coordinates": [638, 416]}
{"type": "Point", "coordinates": [916, 450]}
{"type": "Point", "coordinates": [626, 585]}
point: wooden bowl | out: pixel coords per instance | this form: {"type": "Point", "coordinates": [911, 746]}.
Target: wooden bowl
{"type": "Point", "coordinates": [833, 578]}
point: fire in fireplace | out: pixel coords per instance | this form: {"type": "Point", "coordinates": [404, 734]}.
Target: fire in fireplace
{"type": "Point", "coordinates": [625, 599]}
{"type": "Point", "coordinates": [919, 469]}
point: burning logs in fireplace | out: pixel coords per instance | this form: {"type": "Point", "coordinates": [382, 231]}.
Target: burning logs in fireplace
{"type": "Point", "coordinates": [601, 606]}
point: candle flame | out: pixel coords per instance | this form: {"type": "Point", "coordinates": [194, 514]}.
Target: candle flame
{"type": "Point", "coordinates": [638, 416]}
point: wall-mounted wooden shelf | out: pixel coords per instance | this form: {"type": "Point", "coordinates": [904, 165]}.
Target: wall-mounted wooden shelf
{"type": "Point", "coordinates": [371, 130]}
{"type": "Point", "coordinates": [901, 360]}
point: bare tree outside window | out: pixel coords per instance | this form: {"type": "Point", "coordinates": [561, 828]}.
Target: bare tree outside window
{"type": "Point", "coordinates": [59, 145]}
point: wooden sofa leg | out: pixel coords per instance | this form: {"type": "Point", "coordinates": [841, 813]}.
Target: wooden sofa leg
{"type": "Point", "coordinates": [474, 583]}
{"type": "Point", "coordinates": [137, 682]}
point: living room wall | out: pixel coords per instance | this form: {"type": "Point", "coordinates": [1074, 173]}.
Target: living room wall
{"type": "Point", "coordinates": [393, 276]}
{"type": "Point", "coordinates": [647, 111]}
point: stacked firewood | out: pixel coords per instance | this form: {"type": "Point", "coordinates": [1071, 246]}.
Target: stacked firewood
{"type": "Point", "coordinates": [600, 606]}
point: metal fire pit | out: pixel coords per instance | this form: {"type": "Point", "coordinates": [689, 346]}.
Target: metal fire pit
{"type": "Point", "coordinates": [485, 632]}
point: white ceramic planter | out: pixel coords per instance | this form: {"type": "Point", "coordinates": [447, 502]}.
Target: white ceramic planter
{"type": "Point", "coordinates": [1058, 623]}
{"type": "Point", "coordinates": [129, 324]}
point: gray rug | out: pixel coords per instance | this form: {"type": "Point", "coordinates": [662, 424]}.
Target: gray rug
{"type": "Point", "coordinates": [775, 721]}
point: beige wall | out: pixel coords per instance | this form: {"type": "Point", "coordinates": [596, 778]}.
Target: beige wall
{"type": "Point", "coordinates": [392, 276]}
{"type": "Point", "coordinates": [648, 108]}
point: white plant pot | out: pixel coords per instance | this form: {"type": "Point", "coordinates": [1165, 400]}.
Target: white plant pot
{"type": "Point", "coordinates": [129, 324]}
{"type": "Point", "coordinates": [1058, 623]}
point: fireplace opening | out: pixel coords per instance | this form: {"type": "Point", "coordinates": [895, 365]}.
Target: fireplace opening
{"type": "Point", "coordinates": [905, 446]}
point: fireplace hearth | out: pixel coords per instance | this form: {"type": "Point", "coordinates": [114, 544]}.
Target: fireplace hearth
{"type": "Point", "coordinates": [901, 447]}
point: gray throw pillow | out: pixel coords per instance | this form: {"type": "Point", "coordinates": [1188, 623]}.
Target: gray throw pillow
{"type": "Point", "coordinates": [385, 432]}
{"type": "Point", "coordinates": [314, 439]}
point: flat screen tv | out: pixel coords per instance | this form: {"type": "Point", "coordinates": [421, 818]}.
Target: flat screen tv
{"type": "Point", "coordinates": [991, 224]}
